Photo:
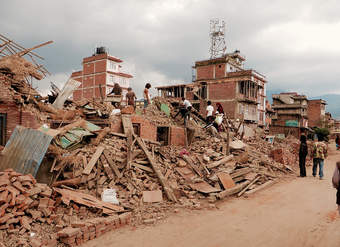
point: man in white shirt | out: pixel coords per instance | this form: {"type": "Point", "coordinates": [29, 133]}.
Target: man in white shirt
{"type": "Point", "coordinates": [209, 114]}
{"type": "Point", "coordinates": [210, 110]}
{"type": "Point", "coordinates": [185, 110]}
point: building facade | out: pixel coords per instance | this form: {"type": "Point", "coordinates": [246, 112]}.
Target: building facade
{"type": "Point", "coordinates": [316, 113]}
{"type": "Point", "coordinates": [290, 114]}
{"type": "Point", "coordinates": [100, 72]}
{"type": "Point", "coordinates": [241, 92]}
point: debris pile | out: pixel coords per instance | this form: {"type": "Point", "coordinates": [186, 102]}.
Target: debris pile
{"type": "Point", "coordinates": [101, 179]}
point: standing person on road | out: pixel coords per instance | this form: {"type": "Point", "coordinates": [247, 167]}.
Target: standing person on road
{"type": "Point", "coordinates": [146, 96]}
{"type": "Point", "coordinates": [337, 142]}
{"type": "Point", "coordinates": [319, 153]}
{"type": "Point", "coordinates": [303, 151]}
{"type": "Point", "coordinates": [336, 183]}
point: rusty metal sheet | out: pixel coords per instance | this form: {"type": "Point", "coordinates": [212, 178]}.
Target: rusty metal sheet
{"type": "Point", "coordinates": [25, 150]}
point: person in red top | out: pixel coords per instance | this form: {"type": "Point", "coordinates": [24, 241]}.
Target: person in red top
{"type": "Point", "coordinates": [146, 96]}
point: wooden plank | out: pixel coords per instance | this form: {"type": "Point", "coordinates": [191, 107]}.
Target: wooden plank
{"type": "Point", "coordinates": [127, 125]}
{"type": "Point", "coordinates": [87, 200]}
{"type": "Point", "coordinates": [144, 168]}
{"type": "Point", "coordinates": [220, 162]}
{"type": "Point", "coordinates": [71, 181]}
{"type": "Point", "coordinates": [107, 168]}
{"type": "Point", "coordinates": [226, 180]}
{"type": "Point", "coordinates": [199, 158]}
{"type": "Point", "coordinates": [232, 191]}
{"type": "Point", "coordinates": [112, 164]}
{"type": "Point", "coordinates": [262, 186]}
{"type": "Point", "coordinates": [248, 186]}
{"type": "Point", "coordinates": [93, 160]}
{"type": "Point", "coordinates": [240, 172]}
{"type": "Point", "coordinates": [204, 187]}
{"type": "Point", "coordinates": [189, 162]}
{"type": "Point", "coordinates": [168, 191]}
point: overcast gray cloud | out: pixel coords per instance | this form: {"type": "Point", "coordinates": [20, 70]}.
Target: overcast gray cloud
{"type": "Point", "coordinates": [294, 43]}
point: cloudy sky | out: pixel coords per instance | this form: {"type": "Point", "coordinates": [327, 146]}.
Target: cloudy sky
{"type": "Point", "coordinates": [295, 44]}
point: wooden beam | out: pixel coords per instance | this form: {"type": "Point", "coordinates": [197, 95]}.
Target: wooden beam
{"type": "Point", "coordinates": [248, 186]}
{"type": "Point", "coordinates": [112, 164]}
{"type": "Point", "coordinates": [220, 162]}
{"type": "Point", "coordinates": [168, 191]}
{"type": "Point", "coordinates": [93, 160]}
{"type": "Point", "coordinates": [232, 191]}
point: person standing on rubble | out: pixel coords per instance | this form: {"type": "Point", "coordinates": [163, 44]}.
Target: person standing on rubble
{"type": "Point", "coordinates": [116, 90]}
{"type": "Point", "coordinates": [185, 110]}
{"type": "Point", "coordinates": [146, 96]}
{"type": "Point", "coordinates": [131, 96]}
{"type": "Point", "coordinates": [319, 153]}
{"type": "Point", "coordinates": [303, 151]}
{"type": "Point", "coordinates": [219, 108]}
{"type": "Point", "coordinates": [209, 114]}
{"type": "Point", "coordinates": [188, 107]}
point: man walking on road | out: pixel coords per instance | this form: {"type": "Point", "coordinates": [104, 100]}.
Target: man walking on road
{"type": "Point", "coordinates": [319, 153]}
{"type": "Point", "coordinates": [303, 151]}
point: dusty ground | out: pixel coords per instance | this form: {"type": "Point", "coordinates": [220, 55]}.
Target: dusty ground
{"type": "Point", "coordinates": [298, 212]}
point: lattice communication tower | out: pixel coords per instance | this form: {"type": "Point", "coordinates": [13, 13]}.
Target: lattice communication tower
{"type": "Point", "coordinates": [218, 47]}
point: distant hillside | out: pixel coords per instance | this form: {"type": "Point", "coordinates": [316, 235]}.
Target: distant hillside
{"type": "Point", "coordinates": [333, 104]}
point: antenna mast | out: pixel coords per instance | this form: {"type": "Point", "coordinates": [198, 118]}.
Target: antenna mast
{"type": "Point", "coordinates": [218, 47]}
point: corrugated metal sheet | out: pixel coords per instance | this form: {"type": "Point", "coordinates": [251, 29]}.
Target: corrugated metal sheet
{"type": "Point", "coordinates": [25, 150]}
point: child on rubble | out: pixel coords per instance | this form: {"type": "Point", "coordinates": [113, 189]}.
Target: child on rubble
{"type": "Point", "coordinates": [336, 183]}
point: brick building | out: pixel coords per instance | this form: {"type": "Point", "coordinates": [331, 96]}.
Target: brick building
{"type": "Point", "coordinates": [316, 113]}
{"type": "Point", "coordinates": [100, 72]}
{"type": "Point", "coordinates": [13, 113]}
{"type": "Point", "coordinates": [290, 114]}
{"type": "Point", "coordinates": [241, 92]}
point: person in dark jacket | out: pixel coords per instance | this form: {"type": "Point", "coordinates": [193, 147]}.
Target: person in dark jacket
{"type": "Point", "coordinates": [302, 155]}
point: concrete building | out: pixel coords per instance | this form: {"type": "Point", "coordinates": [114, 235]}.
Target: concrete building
{"type": "Point", "coordinates": [290, 114]}
{"type": "Point", "coordinates": [100, 72]}
{"type": "Point", "coordinates": [241, 92]}
{"type": "Point", "coordinates": [316, 113]}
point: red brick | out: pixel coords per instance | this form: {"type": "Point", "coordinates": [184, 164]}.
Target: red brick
{"type": "Point", "coordinates": [3, 196]}
{"type": "Point", "coordinates": [68, 232]}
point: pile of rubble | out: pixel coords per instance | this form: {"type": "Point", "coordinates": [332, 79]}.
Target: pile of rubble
{"type": "Point", "coordinates": [101, 179]}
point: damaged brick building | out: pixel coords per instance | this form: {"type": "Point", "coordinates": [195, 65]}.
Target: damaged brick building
{"type": "Point", "coordinates": [290, 114]}
{"type": "Point", "coordinates": [100, 72]}
{"type": "Point", "coordinates": [316, 113]}
{"type": "Point", "coordinates": [241, 92]}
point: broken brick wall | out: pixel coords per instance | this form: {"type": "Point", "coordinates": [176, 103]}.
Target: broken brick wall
{"type": "Point", "coordinates": [286, 130]}
{"type": "Point", "coordinates": [177, 136]}
{"type": "Point", "coordinates": [147, 129]}
{"type": "Point", "coordinates": [224, 93]}
{"type": "Point", "coordinates": [15, 115]}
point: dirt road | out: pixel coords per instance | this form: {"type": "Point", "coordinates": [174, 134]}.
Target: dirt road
{"type": "Point", "coordinates": [298, 212]}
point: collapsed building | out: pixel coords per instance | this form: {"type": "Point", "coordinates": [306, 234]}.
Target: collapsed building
{"type": "Point", "coordinates": [82, 170]}
{"type": "Point", "coordinates": [241, 92]}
